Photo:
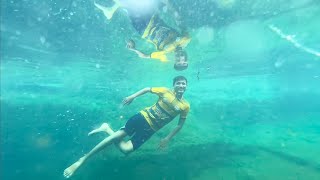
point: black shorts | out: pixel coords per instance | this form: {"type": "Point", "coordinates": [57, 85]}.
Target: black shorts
{"type": "Point", "coordinates": [138, 128]}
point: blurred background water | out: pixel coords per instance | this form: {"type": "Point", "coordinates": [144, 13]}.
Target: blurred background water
{"type": "Point", "coordinates": [253, 86]}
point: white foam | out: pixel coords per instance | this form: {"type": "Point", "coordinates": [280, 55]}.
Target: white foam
{"type": "Point", "coordinates": [291, 39]}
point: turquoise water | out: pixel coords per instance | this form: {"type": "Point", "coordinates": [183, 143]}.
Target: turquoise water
{"type": "Point", "coordinates": [253, 86]}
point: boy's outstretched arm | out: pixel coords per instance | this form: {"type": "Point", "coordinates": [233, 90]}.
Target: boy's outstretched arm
{"type": "Point", "coordinates": [165, 141]}
{"type": "Point", "coordinates": [132, 47]}
{"type": "Point", "coordinates": [129, 99]}
{"type": "Point", "coordinates": [159, 55]}
{"type": "Point", "coordinates": [140, 53]}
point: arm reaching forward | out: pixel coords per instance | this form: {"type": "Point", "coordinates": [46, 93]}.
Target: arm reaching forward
{"type": "Point", "coordinates": [165, 141]}
{"type": "Point", "coordinates": [131, 45]}
{"type": "Point", "coordinates": [140, 54]}
{"type": "Point", "coordinates": [129, 99]}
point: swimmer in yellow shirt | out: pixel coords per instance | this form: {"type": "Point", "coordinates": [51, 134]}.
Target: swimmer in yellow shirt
{"type": "Point", "coordinates": [144, 124]}
{"type": "Point", "coordinates": [145, 19]}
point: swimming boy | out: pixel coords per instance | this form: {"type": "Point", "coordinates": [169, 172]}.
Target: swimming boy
{"type": "Point", "coordinates": [145, 19]}
{"type": "Point", "coordinates": [144, 124]}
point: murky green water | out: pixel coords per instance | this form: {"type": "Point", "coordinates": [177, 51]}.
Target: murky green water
{"type": "Point", "coordinates": [253, 87]}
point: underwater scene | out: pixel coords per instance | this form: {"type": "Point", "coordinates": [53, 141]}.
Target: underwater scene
{"type": "Point", "coordinates": [160, 90]}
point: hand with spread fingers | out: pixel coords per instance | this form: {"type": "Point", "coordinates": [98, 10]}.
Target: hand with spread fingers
{"type": "Point", "coordinates": [131, 44]}
{"type": "Point", "coordinates": [163, 143]}
{"type": "Point", "coordinates": [128, 100]}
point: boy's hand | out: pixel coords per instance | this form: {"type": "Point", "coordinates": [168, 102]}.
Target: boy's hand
{"type": "Point", "coordinates": [163, 143]}
{"type": "Point", "coordinates": [131, 44]}
{"type": "Point", "coordinates": [127, 100]}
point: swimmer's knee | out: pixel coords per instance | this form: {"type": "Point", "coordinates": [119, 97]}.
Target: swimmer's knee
{"type": "Point", "coordinates": [126, 147]}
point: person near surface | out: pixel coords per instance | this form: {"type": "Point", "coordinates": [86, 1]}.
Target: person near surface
{"type": "Point", "coordinates": [145, 19]}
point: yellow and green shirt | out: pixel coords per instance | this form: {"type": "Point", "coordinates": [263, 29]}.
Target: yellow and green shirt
{"type": "Point", "coordinates": [166, 108]}
{"type": "Point", "coordinates": [164, 38]}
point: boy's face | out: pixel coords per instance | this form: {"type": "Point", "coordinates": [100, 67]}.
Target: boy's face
{"type": "Point", "coordinates": [180, 86]}
{"type": "Point", "coordinates": [181, 61]}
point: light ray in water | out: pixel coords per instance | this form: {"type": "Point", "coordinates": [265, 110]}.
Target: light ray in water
{"type": "Point", "coordinates": [34, 49]}
{"type": "Point", "coordinates": [291, 39]}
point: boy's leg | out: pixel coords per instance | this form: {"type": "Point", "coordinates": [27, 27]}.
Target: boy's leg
{"type": "Point", "coordinates": [116, 136]}
{"type": "Point", "coordinates": [103, 128]}
{"type": "Point", "coordinates": [108, 11]}
{"type": "Point", "coordinates": [125, 147]}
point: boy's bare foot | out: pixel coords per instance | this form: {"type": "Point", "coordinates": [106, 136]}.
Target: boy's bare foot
{"type": "Point", "coordinates": [71, 169]}
{"type": "Point", "coordinates": [107, 11]}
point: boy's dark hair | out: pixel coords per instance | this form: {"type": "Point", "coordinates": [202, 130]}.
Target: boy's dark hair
{"type": "Point", "coordinates": [179, 52]}
{"type": "Point", "coordinates": [178, 78]}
